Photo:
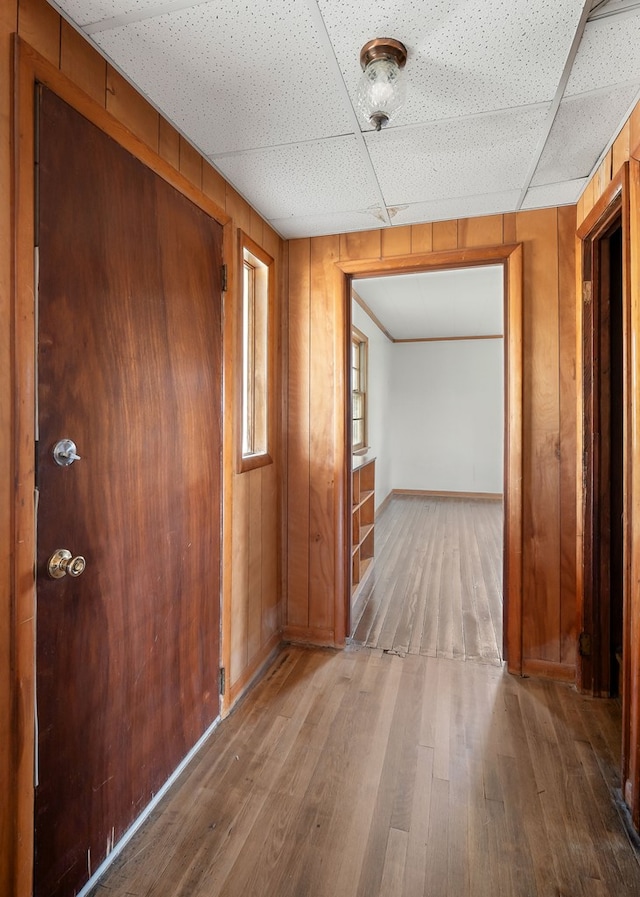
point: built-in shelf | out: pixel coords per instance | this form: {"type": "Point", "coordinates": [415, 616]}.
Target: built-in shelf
{"type": "Point", "coordinates": [363, 521]}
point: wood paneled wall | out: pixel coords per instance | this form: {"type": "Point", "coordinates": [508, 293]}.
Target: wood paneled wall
{"type": "Point", "coordinates": [316, 430]}
{"type": "Point", "coordinates": [252, 592]}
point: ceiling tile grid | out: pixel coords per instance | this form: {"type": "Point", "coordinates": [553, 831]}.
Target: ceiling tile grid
{"type": "Point", "coordinates": [463, 57]}
{"type": "Point", "coordinates": [433, 161]}
{"type": "Point", "coordinates": [592, 116]}
{"type": "Point", "coordinates": [457, 207]}
{"type": "Point", "coordinates": [609, 54]}
{"type": "Point", "coordinates": [234, 76]}
{"type": "Point", "coordinates": [323, 176]}
{"type": "Point", "coordinates": [265, 89]}
{"type": "Point", "coordinates": [565, 193]}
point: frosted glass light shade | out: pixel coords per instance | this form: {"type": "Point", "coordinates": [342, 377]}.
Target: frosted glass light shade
{"type": "Point", "coordinates": [381, 91]}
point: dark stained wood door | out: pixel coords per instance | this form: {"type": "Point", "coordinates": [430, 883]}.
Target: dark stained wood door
{"type": "Point", "coordinates": [129, 362]}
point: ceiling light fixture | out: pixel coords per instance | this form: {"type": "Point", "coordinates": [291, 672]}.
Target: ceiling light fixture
{"type": "Point", "coordinates": [382, 87]}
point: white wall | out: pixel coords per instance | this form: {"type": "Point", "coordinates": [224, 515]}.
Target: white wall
{"type": "Point", "coordinates": [446, 416]}
{"type": "Point", "coordinates": [379, 400]}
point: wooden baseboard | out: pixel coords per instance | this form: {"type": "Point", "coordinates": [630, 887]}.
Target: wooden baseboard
{"type": "Point", "coordinates": [301, 635]}
{"type": "Point", "coordinates": [429, 493]}
{"type": "Point", "coordinates": [548, 669]}
{"type": "Point", "coordinates": [253, 672]}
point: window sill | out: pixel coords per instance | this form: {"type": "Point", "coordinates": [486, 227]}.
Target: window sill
{"type": "Point", "coordinates": [252, 462]}
{"type": "Point", "coordinates": [362, 451]}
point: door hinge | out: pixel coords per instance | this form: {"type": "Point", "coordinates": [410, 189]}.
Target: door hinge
{"type": "Point", "coordinates": [224, 278]}
{"type": "Point", "coordinates": [584, 644]}
{"type": "Point", "coordinates": [223, 680]}
{"type": "Point", "coordinates": [587, 291]}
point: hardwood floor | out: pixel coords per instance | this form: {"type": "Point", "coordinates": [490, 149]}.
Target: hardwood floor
{"type": "Point", "coordinates": [436, 583]}
{"type": "Point", "coordinates": [364, 774]}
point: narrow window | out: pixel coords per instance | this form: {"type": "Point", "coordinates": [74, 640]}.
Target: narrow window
{"type": "Point", "coordinates": [256, 337]}
{"type": "Point", "coordinates": [358, 391]}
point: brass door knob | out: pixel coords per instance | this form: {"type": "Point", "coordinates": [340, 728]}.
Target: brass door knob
{"type": "Point", "coordinates": [62, 562]}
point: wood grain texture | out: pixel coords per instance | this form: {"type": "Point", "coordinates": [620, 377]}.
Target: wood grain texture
{"type": "Point", "coordinates": [142, 363]}
{"type": "Point", "coordinates": [129, 107]}
{"type": "Point", "coordinates": [422, 237]}
{"type": "Point", "coordinates": [9, 742]}
{"type": "Point", "coordinates": [298, 429]}
{"type": "Point", "coordinates": [445, 235]}
{"type": "Point", "coordinates": [541, 535]}
{"type": "Point", "coordinates": [83, 64]}
{"type": "Point", "coordinates": [396, 241]}
{"type": "Point", "coordinates": [461, 780]}
{"type": "Point", "coordinates": [436, 584]}
{"type": "Point", "coordinates": [190, 163]}
{"type": "Point", "coordinates": [39, 25]}
{"type": "Point", "coordinates": [322, 444]}
{"type": "Point", "coordinates": [567, 338]}
{"type": "Point", "coordinates": [79, 84]}
{"type": "Point", "coordinates": [484, 231]}
{"type": "Point", "coordinates": [361, 245]}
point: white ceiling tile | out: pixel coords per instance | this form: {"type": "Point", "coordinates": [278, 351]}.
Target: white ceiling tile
{"type": "Point", "coordinates": [563, 194]}
{"type": "Point", "coordinates": [609, 53]}
{"type": "Point", "coordinates": [327, 223]}
{"type": "Point", "coordinates": [234, 75]}
{"type": "Point", "coordinates": [303, 178]}
{"type": "Point", "coordinates": [463, 57]}
{"type": "Point", "coordinates": [85, 12]}
{"type": "Point", "coordinates": [594, 117]}
{"type": "Point", "coordinates": [441, 159]}
{"type": "Point", "coordinates": [461, 207]}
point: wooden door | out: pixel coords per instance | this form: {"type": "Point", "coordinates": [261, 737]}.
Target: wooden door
{"type": "Point", "coordinates": [130, 369]}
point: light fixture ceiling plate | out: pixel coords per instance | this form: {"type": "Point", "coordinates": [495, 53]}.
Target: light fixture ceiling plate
{"type": "Point", "coordinates": [383, 48]}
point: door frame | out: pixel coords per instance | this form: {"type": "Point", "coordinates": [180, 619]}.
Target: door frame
{"type": "Point", "coordinates": [592, 674]}
{"type": "Point", "coordinates": [29, 68]}
{"type": "Point", "coordinates": [510, 256]}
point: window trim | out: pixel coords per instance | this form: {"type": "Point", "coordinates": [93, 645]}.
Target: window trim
{"type": "Point", "coordinates": [362, 340]}
{"type": "Point", "coordinates": [249, 250]}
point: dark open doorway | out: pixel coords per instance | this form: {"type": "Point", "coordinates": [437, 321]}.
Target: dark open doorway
{"type": "Point", "coordinates": [604, 339]}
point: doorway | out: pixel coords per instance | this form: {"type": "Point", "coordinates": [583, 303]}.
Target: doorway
{"type": "Point", "coordinates": [510, 257]}
{"type": "Point", "coordinates": [129, 482]}
{"type": "Point", "coordinates": [604, 396]}
{"type": "Point", "coordinates": [433, 380]}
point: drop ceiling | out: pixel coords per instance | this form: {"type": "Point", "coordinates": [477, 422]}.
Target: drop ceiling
{"type": "Point", "coordinates": [510, 103]}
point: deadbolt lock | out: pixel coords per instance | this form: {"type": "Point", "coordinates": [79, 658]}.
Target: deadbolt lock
{"type": "Point", "coordinates": [65, 452]}
{"type": "Point", "coordinates": [62, 562]}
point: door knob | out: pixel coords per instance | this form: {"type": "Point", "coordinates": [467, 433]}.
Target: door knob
{"type": "Point", "coordinates": [62, 562]}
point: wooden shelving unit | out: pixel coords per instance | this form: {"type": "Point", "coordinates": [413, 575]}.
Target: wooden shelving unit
{"type": "Point", "coordinates": [363, 521]}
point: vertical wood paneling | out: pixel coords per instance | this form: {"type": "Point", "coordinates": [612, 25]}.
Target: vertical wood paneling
{"type": "Point", "coordinates": [8, 743]}
{"type": "Point", "coordinates": [169, 143]}
{"type": "Point", "coordinates": [39, 26]}
{"type": "Point", "coordinates": [190, 163]}
{"type": "Point", "coordinates": [83, 64]}
{"type": "Point", "coordinates": [445, 235]}
{"type": "Point", "coordinates": [129, 107]}
{"type": "Point", "coordinates": [325, 252]}
{"type": "Point", "coordinates": [254, 586]}
{"type": "Point", "coordinates": [238, 208]}
{"type": "Point", "coordinates": [361, 245]}
{"type": "Point", "coordinates": [270, 616]}
{"type": "Point", "coordinates": [509, 227]}
{"type": "Point", "coordinates": [214, 185]}
{"type": "Point", "coordinates": [239, 577]}
{"type": "Point", "coordinates": [298, 462]}
{"type": "Point", "coordinates": [421, 238]}
{"type": "Point", "coordinates": [568, 424]}
{"type": "Point", "coordinates": [541, 532]}
{"type": "Point", "coordinates": [621, 149]}
{"type": "Point", "coordinates": [486, 231]}
{"type": "Point", "coordinates": [396, 241]}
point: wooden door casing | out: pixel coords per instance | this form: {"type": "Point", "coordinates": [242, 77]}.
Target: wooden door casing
{"type": "Point", "coordinates": [130, 368]}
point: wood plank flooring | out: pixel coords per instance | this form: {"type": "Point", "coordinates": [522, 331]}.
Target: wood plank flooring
{"type": "Point", "coordinates": [436, 583]}
{"type": "Point", "coordinates": [365, 774]}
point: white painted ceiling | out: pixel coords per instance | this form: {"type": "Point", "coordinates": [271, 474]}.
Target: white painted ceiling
{"type": "Point", "coordinates": [510, 103]}
{"type": "Point", "coordinates": [453, 303]}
